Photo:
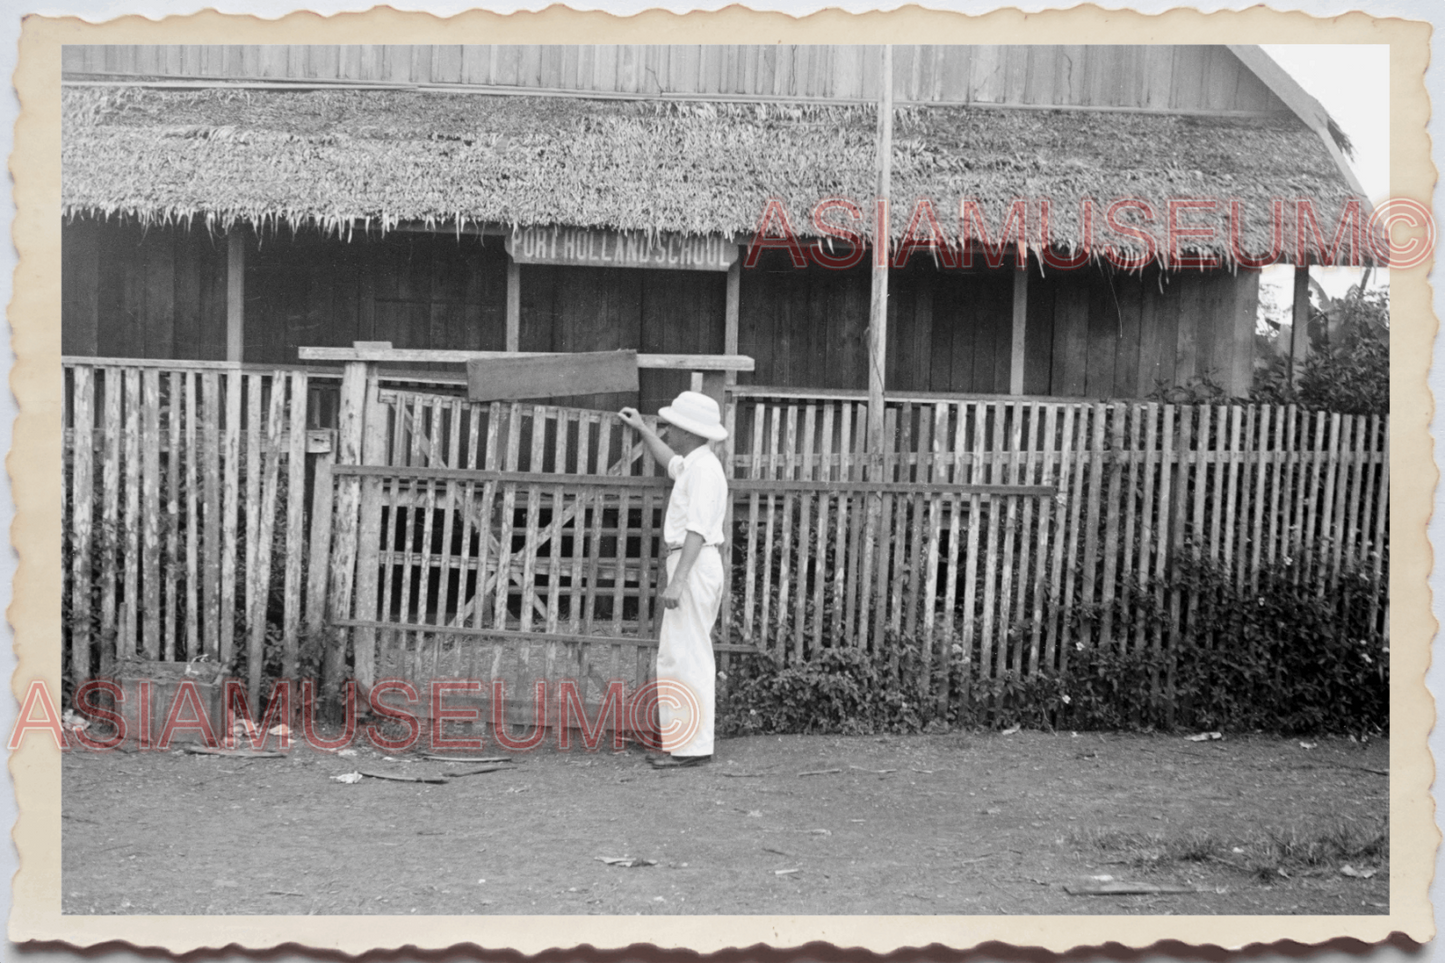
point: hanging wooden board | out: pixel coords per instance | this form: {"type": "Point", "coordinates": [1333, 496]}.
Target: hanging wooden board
{"type": "Point", "coordinates": [550, 376]}
{"type": "Point", "coordinates": [587, 248]}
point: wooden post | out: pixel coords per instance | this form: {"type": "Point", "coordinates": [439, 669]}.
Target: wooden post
{"type": "Point", "coordinates": [1016, 356]}
{"type": "Point", "coordinates": [878, 305]}
{"type": "Point", "coordinates": [730, 313]}
{"type": "Point", "coordinates": [514, 305]}
{"type": "Point", "coordinates": [351, 426]}
{"type": "Point", "coordinates": [235, 294]}
{"type": "Point", "coordinates": [1299, 336]}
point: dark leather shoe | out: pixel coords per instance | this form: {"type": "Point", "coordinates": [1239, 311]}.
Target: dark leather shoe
{"type": "Point", "coordinates": [678, 762]}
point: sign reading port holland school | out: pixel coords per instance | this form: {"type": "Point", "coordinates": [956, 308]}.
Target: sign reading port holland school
{"type": "Point", "coordinates": [588, 248]}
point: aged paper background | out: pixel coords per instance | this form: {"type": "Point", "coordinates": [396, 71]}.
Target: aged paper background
{"type": "Point", "coordinates": [35, 460]}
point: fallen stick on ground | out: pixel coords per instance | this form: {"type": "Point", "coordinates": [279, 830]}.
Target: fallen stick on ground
{"type": "Point", "coordinates": [976, 859]}
{"type": "Point", "coordinates": [477, 759]}
{"type": "Point", "coordinates": [819, 772]}
{"type": "Point", "coordinates": [476, 772]}
{"type": "Point", "coordinates": [1124, 889]}
{"type": "Point", "coordinates": [743, 775]}
{"type": "Point", "coordinates": [235, 753]}
{"type": "Point", "coordinates": [1345, 765]}
{"type": "Point", "coordinates": [391, 778]}
{"type": "Point", "coordinates": [876, 772]}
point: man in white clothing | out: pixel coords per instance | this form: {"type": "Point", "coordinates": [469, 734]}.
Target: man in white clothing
{"type": "Point", "coordinates": [693, 532]}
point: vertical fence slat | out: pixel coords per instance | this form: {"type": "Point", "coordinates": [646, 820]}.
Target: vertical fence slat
{"type": "Point", "coordinates": [1245, 450]}
{"type": "Point", "coordinates": [751, 573]}
{"type": "Point", "coordinates": [367, 648]}
{"type": "Point", "coordinates": [1177, 538]}
{"type": "Point", "coordinates": [651, 567]}
{"type": "Point", "coordinates": [1203, 463]}
{"type": "Point", "coordinates": [807, 469]}
{"type": "Point", "coordinates": [1144, 628]}
{"type": "Point", "coordinates": [1089, 583]}
{"type": "Point", "coordinates": [855, 606]}
{"type": "Point", "coordinates": [1166, 536]}
{"type": "Point", "coordinates": [150, 513]}
{"type": "Point", "coordinates": [252, 511]}
{"type": "Point", "coordinates": [490, 576]}
{"type": "Point", "coordinates": [1308, 559]}
{"type": "Point", "coordinates": [880, 544]}
{"type": "Point", "coordinates": [1263, 451]}
{"type": "Point", "coordinates": [1060, 561]}
{"type": "Point", "coordinates": [1325, 573]}
{"type": "Point", "coordinates": [842, 512]}
{"type": "Point", "coordinates": [765, 640]}
{"type": "Point", "coordinates": [261, 575]}
{"type": "Point", "coordinates": [1046, 476]}
{"type": "Point", "coordinates": [1031, 416]}
{"type": "Point", "coordinates": [1382, 522]}
{"type": "Point", "coordinates": [955, 530]}
{"type": "Point", "coordinates": [208, 464]}
{"type": "Point", "coordinates": [131, 557]}
{"type": "Point", "coordinates": [1371, 445]}
{"type": "Point", "coordinates": [82, 498]}
{"type": "Point", "coordinates": [537, 452]}
{"type": "Point", "coordinates": [1009, 427]}
{"type": "Point", "coordinates": [1134, 458]}
{"type": "Point", "coordinates": [937, 472]}
{"type": "Point", "coordinates": [295, 521]}
{"type": "Point", "coordinates": [789, 461]}
{"type": "Point", "coordinates": [973, 644]}
{"type": "Point", "coordinates": [170, 604]}
{"type": "Point", "coordinates": [1114, 468]}
{"type": "Point", "coordinates": [583, 500]}
{"type": "Point", "coordinates": [619, 577]}
{"type": "Point", "coordinates": [503, 585]}
{"type": "Point", "coordinates": [918, 551]}
{"type": "Point", "coordinates": [599, 507]}
{"type": "Point", "coordinates": [1227, 490]}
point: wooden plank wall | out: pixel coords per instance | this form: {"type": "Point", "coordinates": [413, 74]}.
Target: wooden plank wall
{"type": "Point", "coordinates": [185, 488]}
{"type": "Point", "coordinates": [1146, 77]}
{"type": "Point", "coordinates": [416, 290]}
{"type": "Point", "coordinates": [131, 292]}
{"type": "Point", "coordinates": [600, 309]}
{"type": "Point", "coordinates": [1089, 333]}
{"type": "Point", "coordinates": [160, 293]}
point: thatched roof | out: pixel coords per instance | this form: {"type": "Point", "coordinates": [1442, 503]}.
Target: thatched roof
{"type": "Point", "coordinates": [341, 159]}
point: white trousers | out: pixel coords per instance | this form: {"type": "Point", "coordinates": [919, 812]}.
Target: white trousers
{"type": "Point", "coordinates": [684, 658]}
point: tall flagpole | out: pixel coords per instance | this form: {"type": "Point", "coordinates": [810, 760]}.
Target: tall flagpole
{"type": "Point", "coordinates": [878, 303]}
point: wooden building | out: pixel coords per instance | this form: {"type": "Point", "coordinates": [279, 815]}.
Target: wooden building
{"type": "Point", "coordinates": [241, 202]}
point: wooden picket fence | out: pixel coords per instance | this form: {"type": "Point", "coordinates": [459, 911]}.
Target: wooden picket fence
{"type": "Point", "coordinates": [1011, 579]}
{"type": "Point", "coordinates": [185, 491]}
{"type": "Point", "coordinates": [205, 516]}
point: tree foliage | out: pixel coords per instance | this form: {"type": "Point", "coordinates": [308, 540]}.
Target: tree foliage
{"type": "Point", "coordinates": [1348, 366]}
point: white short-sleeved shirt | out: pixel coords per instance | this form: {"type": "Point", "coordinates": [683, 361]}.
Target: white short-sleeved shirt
{"type": "Point", "coordinates": [699, 501]}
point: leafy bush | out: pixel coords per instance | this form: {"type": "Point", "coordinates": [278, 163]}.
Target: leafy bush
{"type": "Point", "coordinates": [1288, 656]}
{"type": "Point", "coordinates": [1283, 656]}
{"type": "Point", "coordinates": [842, 690]}
{"type": "Point", "coordinates": [1348, 366]}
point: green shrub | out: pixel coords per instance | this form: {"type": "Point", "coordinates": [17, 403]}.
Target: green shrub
{"type": "Point", "coordinates": [1282, 656]}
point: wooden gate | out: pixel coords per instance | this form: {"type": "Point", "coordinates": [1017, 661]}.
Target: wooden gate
{"type": "Point", "coordinates": [503, 542]}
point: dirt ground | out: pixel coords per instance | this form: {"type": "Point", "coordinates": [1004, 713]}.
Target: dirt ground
{"type": "Point", "coordinates": [955, 823]}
